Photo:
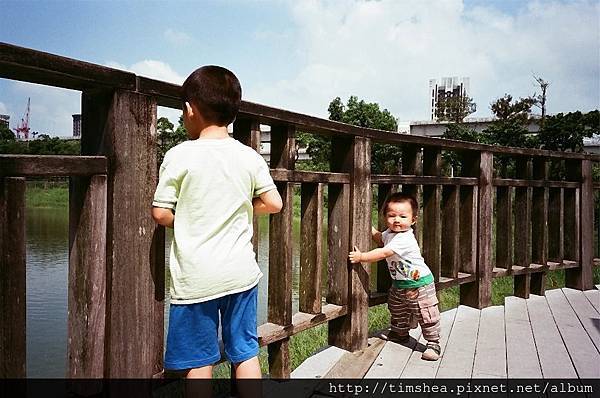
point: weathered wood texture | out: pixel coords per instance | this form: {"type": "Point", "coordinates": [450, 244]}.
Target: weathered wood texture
{"type": "Point", "coordinates": [457, 361]}
{"type": "Point", "coordinates": [504, 228]}
{"type": "Point", "coordinates": [432, 225]}
{"type": "Point", "coordinates": [12, 278]}
{"type": "Point", "coordinates": [581, 278]}
{"type": "Point", "coordinates": [280, 253]}
{"type": "Point", "coordinates": [556, 220]}
{"type": "Point", "coordinates": [311, 248]}
{"type": "Point", "coordinates": [87, 276]}
{"type": "Point", "coordinates": [587, 314]}
{"type": "Point", "coordinates": [468, 217]}
{"type": "Point", "coordinates": [412, 164]}
{"type": "Point", "coordinates": [539, 225]}
{"type": "Point", "coordinates": [247, 131]}
{"type": "Point", "coordinates": [450, 255]}
{"type": "Point", "coordinates": [135, 285]}
{"type": "Point", "coordinates": [554, 359]}
{"type": "Point", "coordinates": [478, 294]}
{"type": "Point", "coordinates": [51, 165]}
{"type": "Point", "coordinates": [354, 365]}
{"type": "Point", "coordinates": [522, 235]}
{"type": "Point", "coordinates": [521, 355]}
{"type": "Point", "coordinates": [360, 236]}
{"type": "Point", "coordinates": [338, 240]}
{"type": "Point", "coordinates": [581, 349]}
{"type": "Point", "coordinates": [490, 353]}
{"type": "Point", "coordinates": [384, 281]}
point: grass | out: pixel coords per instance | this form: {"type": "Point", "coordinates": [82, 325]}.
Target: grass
{"type": "Point", "coordinates": [47, 194]}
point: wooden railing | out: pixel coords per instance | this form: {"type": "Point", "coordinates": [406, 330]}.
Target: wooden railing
{"type": "Point", "coordinates": [474, 226]}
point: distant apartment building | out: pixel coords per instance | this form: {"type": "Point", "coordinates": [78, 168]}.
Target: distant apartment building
{"type": "Point", "coordinates": [444, 88]}
{"type": "Point", "coordinates": [5, 120]}
{"type": "Point", "coordinates": [77, 125]}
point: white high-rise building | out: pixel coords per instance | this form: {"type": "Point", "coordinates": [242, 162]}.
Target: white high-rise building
{"type": "Point", "coordinates": [445, 87]}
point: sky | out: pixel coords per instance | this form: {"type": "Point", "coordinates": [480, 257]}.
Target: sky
{"type": "Point", "coordinates": [299, 55]}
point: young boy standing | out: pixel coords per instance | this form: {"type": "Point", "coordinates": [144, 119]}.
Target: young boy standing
{"type": "Point", "coordinates": [412, 299]}
{"type": "Point", "coordinates": [208, 190]}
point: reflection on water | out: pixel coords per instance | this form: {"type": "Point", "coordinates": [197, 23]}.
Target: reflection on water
{"type": "Point", "coordinates": [47, 274]}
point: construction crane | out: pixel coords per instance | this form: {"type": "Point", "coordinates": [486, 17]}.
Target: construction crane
{"type": "Point", "coordinates": [23, 126]}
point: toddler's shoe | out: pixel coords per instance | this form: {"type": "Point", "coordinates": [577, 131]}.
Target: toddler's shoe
{"type": "Point", "coordinates": [432, 352]}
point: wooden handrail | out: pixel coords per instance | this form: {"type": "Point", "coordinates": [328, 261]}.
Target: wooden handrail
{"type": "Point", "coordinates": [52, 165]}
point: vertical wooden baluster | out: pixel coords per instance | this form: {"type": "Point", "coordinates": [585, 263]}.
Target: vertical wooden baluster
{"type": "Point", "coordinates": [523, 228]}
{"type": "Point", "coordinates": [478, 293]}
{"type": "Point", "coordinates": [412, 164]}
{"type": "Point", "coordinates": [280, 251]}
{"type": "Point", "coordinates": [87, 276]}
{"type": "Point", "coordinates": [247, 131]}
{"type": "Point", "coordinates": [13, 314]}
{"type": "Point", "coordinates": [432, 226]}
{"type": "Point", "coordinates": [311, 247]}
{"type": "Point", "coordinates": [468, 215]}
{"type": "Point", "coordinates": [539, 226]}
{"type": "Point", "coordinates": [384, 281]}
{"type": "Point", "coordinates": [581, 277]}
{"type": "Point", "coordinates": [504, 228]}
{"type": "Point", "coordinates": [451, 231]}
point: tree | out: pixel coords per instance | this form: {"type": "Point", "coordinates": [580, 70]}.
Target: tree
{"type": "Point", "coordinates": [455, 108]}
{"type": "Point", "coordinates": [385, 158]}
{"type": "Point", "coordinates": [511, 127]}
{"type": "Point", "coordinates": [565, 132]}
{"type": "Point", "coordinates": [6, 134]}
{"type": "Point", "coordinates": [168, 137]}
{"type": "Point", "coordinates": [541, 98]}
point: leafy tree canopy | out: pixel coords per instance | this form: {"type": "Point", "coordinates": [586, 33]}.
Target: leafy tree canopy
{"type": "Point", "coordinates": [565, 132]}
{"type": "Point", "coordinates": [455, 108]}
{"type": "Point", "coordinates": [6, 134]}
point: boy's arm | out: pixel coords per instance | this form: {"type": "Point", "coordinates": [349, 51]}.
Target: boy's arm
{"type": "Point", "coordinates": [162, 216]}
{"type": "Point", "coordinates": [377, 238]}
{"type": "Point", "coordinates": [267, 203]}
{"type": "Point", "coordinates": [372, 256]}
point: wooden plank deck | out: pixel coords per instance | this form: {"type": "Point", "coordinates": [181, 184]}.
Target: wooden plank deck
{"type": "Point", "coordinates": [552, 336]}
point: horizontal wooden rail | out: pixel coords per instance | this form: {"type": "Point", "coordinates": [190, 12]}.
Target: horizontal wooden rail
{"type": "Point", "coordinates": [269, 332]}
{"type": "Point", "coordinates": [309, 176]}
{"type": "Point", "coordinates": [596, 185]}
{"type": "Point", "coordinates": [51, 165]}
{"type": "Point", "coordinates": [34, 66]}
{"type": "Point", "coordinates": [505, 182]}
{"type": "Point", "coordinates": [422, 180]}
{"type": "Point", "coordinates": [534, 268]}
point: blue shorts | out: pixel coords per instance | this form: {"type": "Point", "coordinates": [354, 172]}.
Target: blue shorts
{"type": "Point", "coordinates": [192, 339]}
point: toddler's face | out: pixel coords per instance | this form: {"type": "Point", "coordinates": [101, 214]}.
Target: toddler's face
{"type": "Point", "coordinates": [399, 216]}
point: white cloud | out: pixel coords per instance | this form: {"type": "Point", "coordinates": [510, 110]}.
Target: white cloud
{"type": "Point", "coordinates": [151, 68]}
{"type": "Point", "coordinates": [387, 51]}
{"type": "Point", "coordinates": [176, 37]}
{"type": "Point", "coordinates": [3, 109]}
{"type": "Point", "coordinates": [51, 108]}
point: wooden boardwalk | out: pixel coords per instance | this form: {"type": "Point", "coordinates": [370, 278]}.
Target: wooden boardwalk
{"type": "Point", "coordinates": [551, 336]}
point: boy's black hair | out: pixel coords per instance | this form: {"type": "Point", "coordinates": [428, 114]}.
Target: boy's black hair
{"type": "Point", "coordinates": [401, 197]}
{"type": "Point", "coordinates": [215, 91]}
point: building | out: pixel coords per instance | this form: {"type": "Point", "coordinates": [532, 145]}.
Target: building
{"type": "Point", "coordinates": [434, 128]}
{"type": "Point", "coordinates": [446, 87]}
{"type": "Point", "coordinates": [77, 125]}
{"type": "Point", "coordinates": [5, 120]}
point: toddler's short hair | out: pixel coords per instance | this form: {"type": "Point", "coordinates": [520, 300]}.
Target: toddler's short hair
{"type": "Point", "coordinates": [399, 197]}
{"type": "Point", "coordinates": [215, 91]}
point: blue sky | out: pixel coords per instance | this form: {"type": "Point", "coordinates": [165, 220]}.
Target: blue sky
{"type": "Point", "coordinates": [300, 55]}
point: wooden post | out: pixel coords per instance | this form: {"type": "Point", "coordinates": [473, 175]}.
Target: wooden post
{"type": "Point", "coordinates": [87, 277]}
{"type": "Point", "coordinates": [338, 237]}
{"type": "Point", "coordinates": [122, 126]}
{"type": "Point", "coordinates": [247, 131]}
{"type": "Point", "coordinates": [478, 293]}
{"type": "Point", "coordinates": [350, 331]}
{"type": "Point", "coordinates": [384, 281]}
{"type": "Point", "coordinates": [432, 225]}
{"type": "Point", "coordinates": [280, 252]}
{"type": "Point", "coordinates": [13, 312]}
{"type": "Point", "coordinates": [539, 226]}
{"type": "Point", "coordinates": [523, 228]}
{"type": "Point", "coordinates": [581, 278]}
{"type": "Point", "coordinates": [311, 248]}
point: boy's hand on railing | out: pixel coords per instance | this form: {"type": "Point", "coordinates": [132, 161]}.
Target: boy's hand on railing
{"type": "Point", "coordinates": [355, 255]}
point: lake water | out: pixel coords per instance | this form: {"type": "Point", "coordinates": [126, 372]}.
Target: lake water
{"type": "Point", "coordinates": [47, 274]}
